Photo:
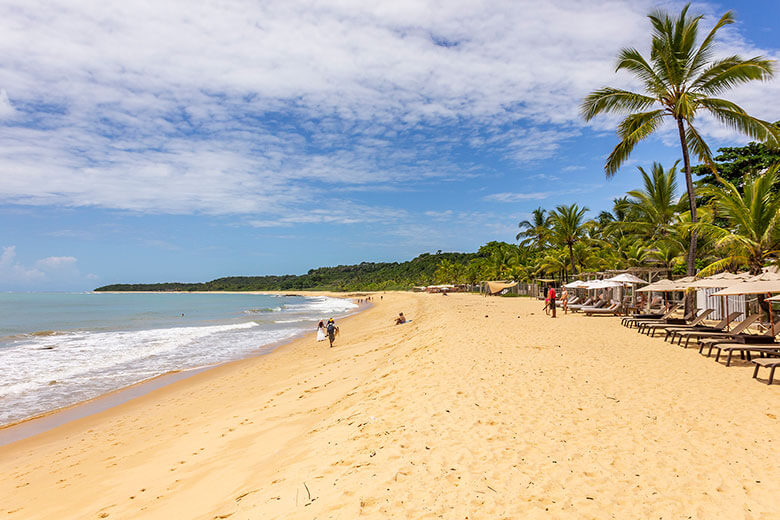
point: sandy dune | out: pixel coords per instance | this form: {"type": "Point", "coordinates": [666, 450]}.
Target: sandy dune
{"type": "Point", "coordinates": [479, 408]}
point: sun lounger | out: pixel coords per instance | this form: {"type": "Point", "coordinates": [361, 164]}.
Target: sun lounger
{"type": "Point", "coordinates": [632, 321]}
{"type": "Point", "coordinates": [649, 329]}
{"type": "Point", "coordinates": [614, 309]}
{"type": "Point", "coordinates": [680, 332]}
{"type": "Point", "coordinates": [711, 339]}
{"type": "Point", "coordinates": [770, 363]}
{"type": "Point", "coordinates": [577, 306]}
{"type": "Point", "coordinates": [746, 349]}
{"type": "Point", "coordinates": [599, 304]}
{"type": "Point", "coordinates": [640, 326]}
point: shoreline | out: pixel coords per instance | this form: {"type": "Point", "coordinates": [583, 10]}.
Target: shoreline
{"type": "Point", "coordinates": [477, 408]}
{"type": "Point", "coordinates": [48, 420]}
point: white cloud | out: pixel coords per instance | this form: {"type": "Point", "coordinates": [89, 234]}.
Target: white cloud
{"type": "Point", "coordinates": [254, 108]}
{"type": "Point", "coordinates": [6, 109]}
{"type": "Point", "coordinates": [515, 197]}
{"type": "Point", "coordinates": [56, 263]}
{"type": "Point", "coordinates": [49, 273]}
{"type": "Point", "coordinates": [12, 272]}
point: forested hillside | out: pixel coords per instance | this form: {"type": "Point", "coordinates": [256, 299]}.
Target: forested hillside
{"type": "Point", "coordinates": [367, 276]}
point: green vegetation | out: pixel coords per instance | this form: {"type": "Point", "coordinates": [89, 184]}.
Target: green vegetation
{"type": "Point", "coordinates": [680, 81]}
{"type": "Point", "coordinates": [367, 276]}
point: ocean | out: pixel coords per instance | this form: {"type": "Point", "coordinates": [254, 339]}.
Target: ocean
{"type": "Point", "coordinates": [58, 349]}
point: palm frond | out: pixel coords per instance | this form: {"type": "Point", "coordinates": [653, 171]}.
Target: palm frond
{"type": "Point", "coordinates": [734, 117]}
{"type": "Point", "coordinates": [698, 146]}
{"type": "Point", "coordinates": [730, 72]}
{"type": "Point", "coordinates": [632, 129]}
{"type": "Point", "coordinates": [705, 52]}
{"type": "Point", "coordinates": [610, 99]}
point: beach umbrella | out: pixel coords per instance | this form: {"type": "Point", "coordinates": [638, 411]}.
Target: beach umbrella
{"type": "Point", "coordinates": [626, 278]}
{"type": "Point", "coordinates": [659, 286]}
{"type": "Point", "coordinates": [577, 284]}
{"type": "Point", "coordinates": [764, 283]}
{"type": "Point", "coordinates": [719, 281]}
{"type": "Point", "coordinates": [602, 284]}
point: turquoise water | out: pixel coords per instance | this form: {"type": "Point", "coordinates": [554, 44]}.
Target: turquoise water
{"type": "Point", "coordinates": [60, 349]}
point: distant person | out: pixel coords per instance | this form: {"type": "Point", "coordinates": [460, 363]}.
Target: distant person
{"type": "Point", "coordinates": [565, 300]}
{"type": "Point", "coordinates": [321, 335]}
{"type": "Point", "coordinates": [400, 319]}
{"type": "Point", "coordinates": [332, 330]}
{"type": "Point", "coordinates": [551, 298]}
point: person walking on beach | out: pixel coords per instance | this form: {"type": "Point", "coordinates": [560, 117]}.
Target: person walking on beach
{"type": "Point", "coordinates": [565, 299]}
{"type": "Point", "coordinates": [551, 297]}
{"type": "Point", "coordinates": [321, 331]}
{"type": "Point", "coordinates": [332, 331]}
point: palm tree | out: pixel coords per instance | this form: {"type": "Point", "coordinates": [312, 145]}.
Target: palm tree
{"type": "Point", "coordinates": [536, 230]}
{"type": "Point", "coordinates": [568, 227]}
{"type": "Point", "coordinates": [679, 80]}
{"type": "Point", "coordinates": [753, 216]}
{"type": "Point", "coordinates": [654, 208]}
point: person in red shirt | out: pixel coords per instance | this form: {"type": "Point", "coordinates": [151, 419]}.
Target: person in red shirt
{"type": "Point", "coordinates": [551, 296]}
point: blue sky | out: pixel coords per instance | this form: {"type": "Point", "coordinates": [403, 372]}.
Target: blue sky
{"type": "Point", "coordinates": [168, 141]}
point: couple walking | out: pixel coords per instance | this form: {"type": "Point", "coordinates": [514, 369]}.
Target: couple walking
{"type": "Point", "coordinates": [327, 331]}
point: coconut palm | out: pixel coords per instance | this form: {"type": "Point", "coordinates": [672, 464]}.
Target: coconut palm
{"type": "Point", "coordinates": [680, 81]}
{"type": "Point", "coordinates": [753, 215]}
{"type": "Point", "coordinates": [568, 227]}
{"type": "Point", "coordinates": [535, 231]}
{"type": "Point", "coordinates": [654, 208]}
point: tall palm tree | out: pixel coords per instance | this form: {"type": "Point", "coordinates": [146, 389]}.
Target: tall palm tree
{"type": "Point", "coordinates": [654, 207]}
{"type": "Point", "coordinates": [536, 230]}
{"type": "Point", "coordinates": [753, 215]}
{"type": "Point", "coordinates": [568, 227]}
{"type": "Point", "coordinates": [679, 82]}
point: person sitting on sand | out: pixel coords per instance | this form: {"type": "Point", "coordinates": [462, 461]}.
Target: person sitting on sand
{"type": "Point", "coordinates": [400, 319]}
{"type": "Point", "coordinates": [332, 331]}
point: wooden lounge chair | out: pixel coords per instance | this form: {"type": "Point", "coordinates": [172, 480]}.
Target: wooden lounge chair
{"type": "Point", "coordinates": [746, 349]}
{"type": "Point", "coordinates": [649, 329]}
{"type": "Point", "coordinates": [711, 339]}
{"type": "Point", "coordinates": [770, 363]}
{"type": "Point", "coordinates": [614, 309]}
{"type": "Point", "coordinates": [680, 332]}
{"type": "Point", "coordinates": [633, 321]}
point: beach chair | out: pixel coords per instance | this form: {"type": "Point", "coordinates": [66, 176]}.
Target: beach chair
{"type": "Point", "coordinates": [578, 306]}
{"type": "Point", "coordinates": [711, 339]}
{"type": "Point", "coordinates": [634, 319]}
{"type": "Point", "coordinates": [640, 326]}
{"type": "Point", "coordinates": [746, 349]}
{"type": "Point", "coordinates": [649, 329]}
{"type": "Point", "coordinates": [770, 363]}
{"type": "Point", "coordinates": [614, 309]}
{"type": "Point", "coordinates": [680, 332]}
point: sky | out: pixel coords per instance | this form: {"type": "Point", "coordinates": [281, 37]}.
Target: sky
{"type": "Point", "coordinates": [170, 140]}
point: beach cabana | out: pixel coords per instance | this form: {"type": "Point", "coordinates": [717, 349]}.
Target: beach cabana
{"type": "Point", "coordinates": [719, 281]}
{"type": "Point", "coordinates": [767, 283]}
{"type": "Point", "coordinates": [628, 279]}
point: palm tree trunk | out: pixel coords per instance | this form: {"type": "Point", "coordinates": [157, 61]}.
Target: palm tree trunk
{"type": "Point", "coordinates": [571, 257]}
{"type": "Point", "coordinates": [691, 263]}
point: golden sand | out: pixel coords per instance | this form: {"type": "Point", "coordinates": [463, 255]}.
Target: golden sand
{"type": "Point", "coordinates": [479, 408]}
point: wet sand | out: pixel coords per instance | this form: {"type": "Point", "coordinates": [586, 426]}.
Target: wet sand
{"type": "Point", "coordinates": [479, 408]}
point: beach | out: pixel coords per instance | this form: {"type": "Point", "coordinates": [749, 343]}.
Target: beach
{"type": "Point", "coordinates": [477, 408]}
